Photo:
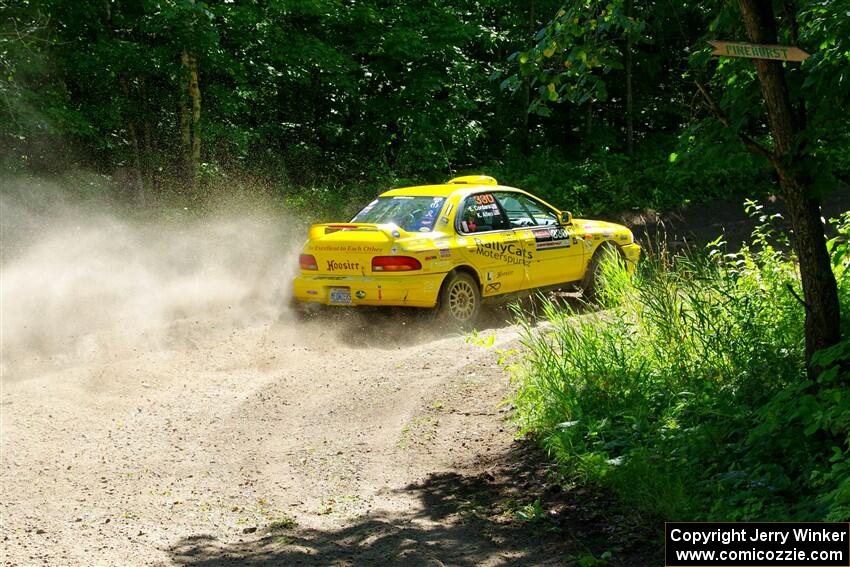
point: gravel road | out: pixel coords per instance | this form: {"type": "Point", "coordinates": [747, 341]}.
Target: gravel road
{"type": "Point", "coordinates": [172, 454]}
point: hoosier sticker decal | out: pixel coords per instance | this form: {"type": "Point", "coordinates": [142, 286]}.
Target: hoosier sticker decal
{"type": "Point", "coordinates": [549, 238]}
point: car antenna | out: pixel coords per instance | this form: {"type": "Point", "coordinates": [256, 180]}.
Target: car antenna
{"type": "Point", "coordinates": [448, 162]}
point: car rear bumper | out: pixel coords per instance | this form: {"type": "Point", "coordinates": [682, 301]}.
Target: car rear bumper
{"type": "Point", "coordinates": [419, 290]}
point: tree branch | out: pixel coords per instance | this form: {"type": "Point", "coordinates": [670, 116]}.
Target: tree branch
{"type": "Point", "coordinates": [797, 297]}
{"type": "Point", "coordinates": [751, 144]}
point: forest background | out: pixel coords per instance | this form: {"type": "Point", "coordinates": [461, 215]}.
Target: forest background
{"type": "Point", "coordinates": [596, 106]}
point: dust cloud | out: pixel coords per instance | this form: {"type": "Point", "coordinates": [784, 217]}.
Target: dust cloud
{"type": "Point", "coordinates": [81, 278]}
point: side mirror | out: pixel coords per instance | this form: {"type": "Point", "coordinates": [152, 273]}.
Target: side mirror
{"type": "Point", "coordinates": [565, 218]}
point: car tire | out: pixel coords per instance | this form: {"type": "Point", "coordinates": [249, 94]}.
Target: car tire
{"type": "Point", "coordinates": [459, 302]}
{"type": "Point", "coordinates": [590, 282]}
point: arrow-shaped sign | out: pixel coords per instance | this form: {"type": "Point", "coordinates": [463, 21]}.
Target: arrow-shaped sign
{"type": "Point", "coordinates": [758, 51]}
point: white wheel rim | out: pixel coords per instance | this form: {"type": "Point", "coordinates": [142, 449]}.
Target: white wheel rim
{"type": "Point", "coordinates": [462, 300]}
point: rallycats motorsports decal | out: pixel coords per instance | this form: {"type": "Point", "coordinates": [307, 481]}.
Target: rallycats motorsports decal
{"type": "Point", "coordinates": [510, 252]}
{"type": "Point", "coordinates": [551, 238]}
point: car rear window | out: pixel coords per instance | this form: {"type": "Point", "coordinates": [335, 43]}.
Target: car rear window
{"type": "Point", "coordinates": [413, 214]}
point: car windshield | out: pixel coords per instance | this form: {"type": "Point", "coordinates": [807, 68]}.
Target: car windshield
{"type": "Point", "coordinates": [413, 214]}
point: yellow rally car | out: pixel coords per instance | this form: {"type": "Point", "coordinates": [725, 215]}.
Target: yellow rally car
{"type": "Point", "coordinates": [450, 246]}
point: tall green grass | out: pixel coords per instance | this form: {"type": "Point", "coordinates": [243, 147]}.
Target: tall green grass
{"type": "Point", "coordinates": [686, 391]}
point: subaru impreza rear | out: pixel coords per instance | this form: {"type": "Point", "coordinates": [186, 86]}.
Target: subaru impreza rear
{"type": "Point", "coordinates": [387, 255]}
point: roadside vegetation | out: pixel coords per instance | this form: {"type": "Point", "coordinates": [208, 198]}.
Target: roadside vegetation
{"type": "Point", "coordinates": [686, 393]}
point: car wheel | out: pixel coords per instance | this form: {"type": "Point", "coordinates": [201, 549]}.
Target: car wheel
{"type": "Point", "coordinates": [460, 300]}
{"type": "Point", "coordinates": [590, 283]}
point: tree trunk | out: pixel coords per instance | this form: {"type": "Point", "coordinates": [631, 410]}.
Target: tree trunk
{"type": "Point", "coordinates": [630, 120]}
{"type": "Point", "coordinates": [147, 128]}
{"type": "Point", "coordinates": [186, 121]}
{"type": "Point", "coordinates": [190, 117]}
{"type": "Point", "coordinates": [133, 133]}
{"type": "Point", "coordinates": [195, 97]}
{"type": "Point", "coordinates": [820, 293]}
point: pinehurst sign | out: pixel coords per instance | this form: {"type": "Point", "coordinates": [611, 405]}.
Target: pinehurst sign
{"type": "Point", "coordinates": [758, 51]}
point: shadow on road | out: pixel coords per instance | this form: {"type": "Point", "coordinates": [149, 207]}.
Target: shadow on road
{"type": "Point", "coordinates": [488, 517]}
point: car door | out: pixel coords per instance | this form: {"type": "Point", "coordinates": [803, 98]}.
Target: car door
{"type": "Point", "coordinates": [492, 247]}
{"type": "Point", "coordinates": [555, 254]}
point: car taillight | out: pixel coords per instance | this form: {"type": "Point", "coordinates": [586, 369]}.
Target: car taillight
{"type": "Point", "coordinates": [395, 264]}
{"type": "Point", "coordinates": [308, 262]}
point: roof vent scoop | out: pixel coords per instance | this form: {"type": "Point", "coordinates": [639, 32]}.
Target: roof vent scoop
{"type": "Point", "coordinates": [474, 180]}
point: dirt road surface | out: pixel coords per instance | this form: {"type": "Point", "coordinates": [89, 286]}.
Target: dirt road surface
{"type": "Point", "coordinates": [265, 442]}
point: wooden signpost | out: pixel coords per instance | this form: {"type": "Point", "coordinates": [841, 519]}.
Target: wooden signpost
{"type": "Point", "coordinates": [758, 51]}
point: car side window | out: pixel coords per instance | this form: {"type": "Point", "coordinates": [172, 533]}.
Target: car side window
{"type": "Point", "coordinates": [523, 211]}
{"type": "Point", "coordinates": [481, 213]}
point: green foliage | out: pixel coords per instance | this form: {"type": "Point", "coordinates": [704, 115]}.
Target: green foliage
{"type": "Point", "coordinates": [839, 250]}
{"type": "Point", "coordinates": [688, 393]}
{"type": "Point", "coordinates": [665, 173]}
{"type": "Point", "coordinates": [532, 512]}
{"type": "Point", "coordinates": [303, 91]}
{"type": "Point", "coordinates": [357, 97]}
{"type": "Point", "coordinates": [819, 84]}
{"type": "Point", "coordinates": [590, 560]}
{"type": "Point", "coordinates": [578, 58]}
{"type": "Point", "coordinates": [282, 523]}
{"type": "Point", "coordinates": [574, 52]}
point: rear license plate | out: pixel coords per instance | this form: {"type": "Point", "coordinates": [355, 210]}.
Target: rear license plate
{"type": "Point", "coordinates": [340, 295]}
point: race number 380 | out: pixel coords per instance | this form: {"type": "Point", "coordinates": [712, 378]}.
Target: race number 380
{"type": "Point", "coordinates": [485, 199]}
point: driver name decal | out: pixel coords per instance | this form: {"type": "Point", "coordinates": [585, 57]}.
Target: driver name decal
{"type": "Point", "coordinates": [485, 206]}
